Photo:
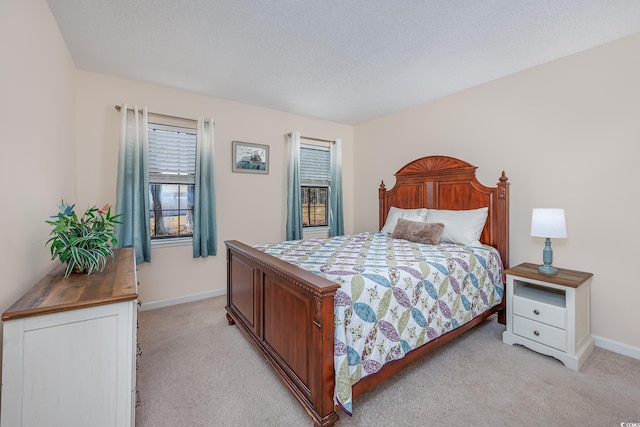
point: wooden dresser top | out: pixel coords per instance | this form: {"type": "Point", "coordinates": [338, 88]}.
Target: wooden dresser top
{"type": "Point", "coordinates": [55, 293]}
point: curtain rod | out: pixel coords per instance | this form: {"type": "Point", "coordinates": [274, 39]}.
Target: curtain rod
{"type": "Point", "coordinates": [118, 107]}
{"type": "Point", "coordinates": [332, 141]}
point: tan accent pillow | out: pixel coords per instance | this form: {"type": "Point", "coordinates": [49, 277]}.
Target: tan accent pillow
{"type": "Point", "coordinates": [419, 232]}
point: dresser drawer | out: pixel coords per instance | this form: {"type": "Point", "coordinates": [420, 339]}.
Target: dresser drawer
{"type": "Point", "coordinates": [539, 332]}
{"type": "Point", "coordinates": [540, 312]}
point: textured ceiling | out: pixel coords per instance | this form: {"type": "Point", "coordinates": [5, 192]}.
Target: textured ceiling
{"type": "Point", "coordinates": [344, 61]}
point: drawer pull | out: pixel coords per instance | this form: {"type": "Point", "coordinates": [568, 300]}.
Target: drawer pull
{"type": "Point", "coordinates": [536, 333]}
{"type": "Point", "coordinates": [536, 311]}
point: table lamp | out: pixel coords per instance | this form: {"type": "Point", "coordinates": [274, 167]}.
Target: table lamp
{"type": "Point", "coordinates": [548, 223]}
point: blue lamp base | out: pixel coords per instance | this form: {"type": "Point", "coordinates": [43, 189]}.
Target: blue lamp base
{"type": "Point", "coordinates": [547, 258]}
{"type": "Point", "coordinates": [547, 269]}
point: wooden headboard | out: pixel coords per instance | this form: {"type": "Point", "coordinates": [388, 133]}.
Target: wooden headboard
{"type": "Point", "coordinates": [441, 182]}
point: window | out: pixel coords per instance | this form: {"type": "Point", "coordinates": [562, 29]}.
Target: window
{"type": "Point", "coordinates": [315, 177]}
{"type": "Point", "coordinates": [172, 169]}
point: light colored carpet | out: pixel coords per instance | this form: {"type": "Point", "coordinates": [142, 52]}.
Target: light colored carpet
{"type": "Point", "coordinates": [196, 370]}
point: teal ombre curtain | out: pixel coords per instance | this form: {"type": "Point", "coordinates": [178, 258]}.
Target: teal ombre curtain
{"type": "Point", "coordinates": [294, 199]}
{"type": "Point", "coordinates": [132, 191]}
{"type": "Point", "coordinates": [204, 206]}
{"type": "Point", "coordinates": [336, 217]}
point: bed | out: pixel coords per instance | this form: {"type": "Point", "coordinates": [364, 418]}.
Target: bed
{"type": "Point", "coordinates": [286, 302]}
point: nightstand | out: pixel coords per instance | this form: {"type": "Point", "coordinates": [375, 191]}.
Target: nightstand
{"type": "Point", "coordinates": [550, 313]}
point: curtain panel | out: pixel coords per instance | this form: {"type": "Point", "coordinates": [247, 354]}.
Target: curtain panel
{"type": "Point", "coordinates": [294, 199]}
{"type": "Point", "coordinates": [336, 217]}
{"type": "Point", "coordinates": [132, 198]}
{"type": "Point", "coordinates": [204, 214]}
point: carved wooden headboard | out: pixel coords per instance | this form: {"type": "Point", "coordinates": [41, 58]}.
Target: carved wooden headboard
{"type": "Point", "coordinates": [441, 182]}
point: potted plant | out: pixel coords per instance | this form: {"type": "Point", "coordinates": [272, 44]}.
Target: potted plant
{"type": "Point", "coordinates": [83, 243]}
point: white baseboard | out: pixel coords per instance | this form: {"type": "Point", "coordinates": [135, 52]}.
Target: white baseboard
{"type": "Point", "coordinates": [181, 300]}
{"type": "Point", "coordinates": [616, 347]}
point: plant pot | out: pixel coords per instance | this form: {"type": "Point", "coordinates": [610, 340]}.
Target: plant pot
{"type": "Point", "coordinates": [76, 269]}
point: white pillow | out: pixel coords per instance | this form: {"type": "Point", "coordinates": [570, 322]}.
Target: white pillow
{"type": "Point", "coordinates": [397, 213]}
{"type": "Point", "coordinates": [462, 227]}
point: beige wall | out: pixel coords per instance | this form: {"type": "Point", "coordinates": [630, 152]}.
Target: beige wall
{"type": "Point", "coordinates": [250, 207]}
{"type": "Point", "coordinates": [567, 133]}
{"type": "Point", "coordinates": [37, 165]}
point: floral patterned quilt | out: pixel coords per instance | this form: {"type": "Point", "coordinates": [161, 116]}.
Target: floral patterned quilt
{"type": "Point", "coordinates": [395, 295]}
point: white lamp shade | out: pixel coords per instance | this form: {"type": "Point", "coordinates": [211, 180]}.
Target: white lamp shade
{"type": "Point", "coordinates": [548, 222]}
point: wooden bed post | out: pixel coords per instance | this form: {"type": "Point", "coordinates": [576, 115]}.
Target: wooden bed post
{"type": "Point", "coordinates": [503, 217]}
{"type": "Point", "coordinates": [382, 203]}
{"type": "Point", "coordinates": [503, 235]}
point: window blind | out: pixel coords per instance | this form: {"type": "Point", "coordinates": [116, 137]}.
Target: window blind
{"type": "Point", "coordinates": [172, 154]}
{"type": "Point", "coordinates": [315, 166]}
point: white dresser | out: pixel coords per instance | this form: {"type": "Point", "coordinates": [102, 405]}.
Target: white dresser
{"type": "Point", "coordinates": [550, 313]}
{"type": "Point", "coordinates": [69, 350]}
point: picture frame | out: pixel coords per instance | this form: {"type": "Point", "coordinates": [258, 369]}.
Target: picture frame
{"type": "Point", "coordinates": [248, 157]}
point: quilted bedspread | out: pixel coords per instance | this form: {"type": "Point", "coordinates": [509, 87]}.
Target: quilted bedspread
{"type": "Point", "coordinates": [395, 295]}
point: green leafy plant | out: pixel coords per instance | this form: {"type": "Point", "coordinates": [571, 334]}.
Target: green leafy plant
{"type": "Point", "coordinates": [83, 243]}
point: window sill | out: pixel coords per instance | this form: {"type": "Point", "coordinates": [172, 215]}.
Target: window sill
{"type": "Point", "coordinates": [315, 232]}
{"type": "Point", "coordinates": [169, 243]}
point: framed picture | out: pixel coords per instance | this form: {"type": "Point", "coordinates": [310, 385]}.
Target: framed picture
{"type": "Point", "coordinates": [250, 158]}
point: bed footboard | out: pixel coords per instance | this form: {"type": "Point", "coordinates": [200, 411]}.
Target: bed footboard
{"type": "Point", "coordinates": [287, 313]}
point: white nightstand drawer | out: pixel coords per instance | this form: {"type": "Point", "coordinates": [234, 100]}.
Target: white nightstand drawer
{"type": "Point", "coordinates": [540, 312]}
{"type": "Point", "coordinates": [544, 334]}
